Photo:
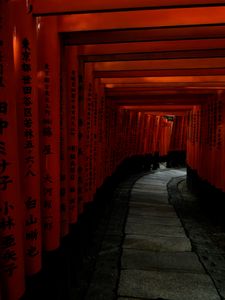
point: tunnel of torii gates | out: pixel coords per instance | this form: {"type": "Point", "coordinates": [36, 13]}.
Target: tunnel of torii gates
{"type": "Point", "coordinates": [87, 84]}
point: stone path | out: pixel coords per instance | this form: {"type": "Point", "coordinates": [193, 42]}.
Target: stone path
{"type": "Point", "coordinates": [157, 261]}
{"type": "Point", "coordinates": [130, 244]}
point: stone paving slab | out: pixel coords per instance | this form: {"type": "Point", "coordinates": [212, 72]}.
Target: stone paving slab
{"type": "Point", "coordinates": [149, 183]}
{"type": "Point", "coordinates": [125, 298]}
{"type": "Point", "coordinates": [150, 194]}
{"type": "Point", "coordinates": [148, 200]}
{"type": "Point", "coordinates": [153, 195]}
{"type": "Point", "coordinates": [155, 230]}
{"type": "Point", "coordinates": [145, 180]}
{"type": "Point", "coordinates": [149, 211]}
{"type": "Point", "coordinates": [155, 188]}
{"type": "Point", "coordinates": [145, 188]}
{"type": "Point", "coordinates": [146, 194]}
{"type": "Point", "coordinates": [157, 243]}
{"type": "Point", "coordinates": [152, 190]}
{"type": "Point", "coordinates": [153, 220]}
{"type": "Point", "coordinates": [156, 200]}
{"type": "Point", "coordinates": [150, 260]}
{"type": "Point", "coordinates": [142, 191]}
{"type": "Point", "coordinates": [157, 179]}
{"type": "Point", "coordinates": [152, 206]}
{"type": "Point", "coordinates": [166, 285]}
{"type": "Point", "coordinates": [158, 195]}
{"type": "Point", "coordinates": [161, 192]}
{"type": "Point", "coordinates": [163, 178]}
{"type": "Point", "coordinates": [150, 186]}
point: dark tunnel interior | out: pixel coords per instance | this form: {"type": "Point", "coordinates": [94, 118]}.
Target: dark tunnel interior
{"type": "Point", "coordinates": [98, 99]}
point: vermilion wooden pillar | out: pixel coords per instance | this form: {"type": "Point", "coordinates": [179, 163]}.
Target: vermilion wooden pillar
{"type": "Point", "coordinates": [104, 134]}
{"type": "Point", "coordinates": [141, 126]}
{"type": "Point", "coordinates": [81, 138]}
{"type": "Point", "coordinates": [194, 128]}
{"type": "Point", "coordinates": [178, 134]}
{"type": "Point", "coordinates": [189, 140]}
{"type": "Point", "coordinates": [152, 133]}
{"type": "Point", "coordinates": [105, 141]}
{"type": "Point", "coordinates": [101, 155]}
{"type": "Point", "coordinates": [156, 134]}
{"type": "Point", "coordinates": [112, 137]}
{"type": "Point", "coordinates": [88, 119]}
{"type": "Point", "coordinates": [218, 142]}
{"type": "Point", "coordinates": [28, 130]}
{"type": "Point", "coordinates": [49, 100]}
{"type": "Point", "coordinates": [202, 138]}
{"type": "Point", "coordinates": [221, 140]}
{"type": "Point", "coordinates": [64, 167]}
{"type": "Point", "coordinates": [85, 145]}
{"type": "Point", "coordinates": [165, 135]}
{"type": "Point", "coordinates": [136, 131]}
{"type": "Point", "coordinates": [148, 134]}
{"type": "Point", "coordinates": [11, 204]}
{"type": "Point", "coordinates": [207, 150]}
{"type": "Point", "coordinates": [96, 98]}
{"type": "Point", "coordinates": [70, 65]}
{"type": "Point", "coordinates": [211, 162]}
{"type": "Point", "coordinates": [184, 134]}
{"type": "Point", "coordinates": [98, 130]}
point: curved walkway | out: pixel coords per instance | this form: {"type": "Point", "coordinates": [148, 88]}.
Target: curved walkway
{"type": "Point", "coordinates": [157, 259]}
{"type": "Point", "coordinates": [130, 244]}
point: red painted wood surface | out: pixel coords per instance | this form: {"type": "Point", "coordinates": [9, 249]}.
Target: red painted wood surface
{"type": "Point", "coordinates": [49, 101]}
{"type": "Point", "coordinates": [70, 80]}
{"type": "Point", "coordinates": [25, 59]}
{"type": "Point", "coordinates": [12, 206]}
{"type": "Point", "coordinates": [75, 105]}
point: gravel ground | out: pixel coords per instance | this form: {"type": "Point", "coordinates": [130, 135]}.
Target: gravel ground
{"type": "Point", "coordinates": [204, 228]}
